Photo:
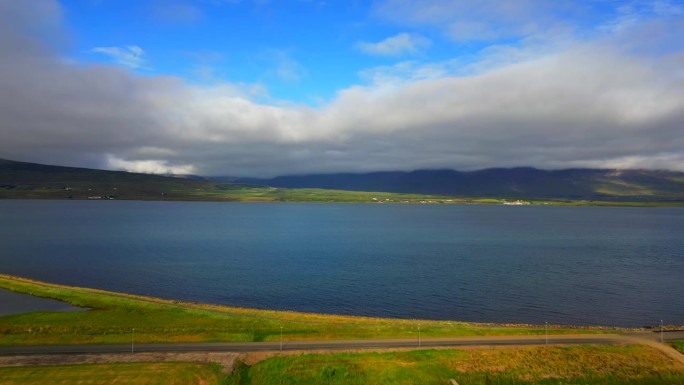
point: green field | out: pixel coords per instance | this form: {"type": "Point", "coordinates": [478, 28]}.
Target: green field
{"type": "Point", "coordinates": [176, 373]}
{"type": "Point", "coordinates": [523, 365]}
{"type": "Point", "coordinates": [114, 315]}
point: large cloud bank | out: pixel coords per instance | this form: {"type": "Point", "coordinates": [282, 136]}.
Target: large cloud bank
{"type": "Point", "coordinates": [612, 100]}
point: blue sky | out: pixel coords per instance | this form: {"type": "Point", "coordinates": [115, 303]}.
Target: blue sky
{"type": "Point", "coordinates": [297, 50]}
{"type": "Point", "coordinates": [301, 51]}
{"type": "Point", "coordinates": [263, 88]}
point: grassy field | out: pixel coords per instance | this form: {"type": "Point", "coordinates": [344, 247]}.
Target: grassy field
{"type": "Point", "coordinates": [179, 373]}
{"type": "Point", "coordinates": [114, 315]}
{"type": "Point", "coordinates": [524, 365]}
{"type": "Point", "coordinates": [586, 365]}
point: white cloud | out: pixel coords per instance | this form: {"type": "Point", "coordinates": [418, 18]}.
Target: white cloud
{"type": "Point", "coordinates": [403, 43]}
{"type": "Point", "coordinates": [593, 103]}
{"type": "Point", "coordinates": [130, 56]}
{"type": "Point", "coordinates": [149, 166]}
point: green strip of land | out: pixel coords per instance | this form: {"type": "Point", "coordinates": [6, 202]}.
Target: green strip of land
{"type": "Point", "coordinates": [112, 317]}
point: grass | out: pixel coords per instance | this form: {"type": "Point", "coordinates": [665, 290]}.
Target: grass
{"type": "Point", "coordinates": [588, 364]}
{"type": "Point", "coordinates": [179, 373]}
{"type": "Point", "coordinates": [524, 365]}
{"type": "Point", "coordinates": [113, 316]}
{"type": "Point", "coordinates": [679, 345]}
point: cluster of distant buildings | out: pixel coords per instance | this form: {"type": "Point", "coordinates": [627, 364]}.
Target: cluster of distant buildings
{"type": "Point", "coordinates": [515, 203]}
{"type": "Point", "coordinates": [387, 200]}
{"type": "Point", "coordinates": [94, 197]}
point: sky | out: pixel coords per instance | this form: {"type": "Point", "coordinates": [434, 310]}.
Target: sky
{"type": "Point", "coordinates": [261, 88]}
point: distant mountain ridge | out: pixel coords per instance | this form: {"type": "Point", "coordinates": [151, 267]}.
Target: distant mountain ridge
{"type": "Point", "coordinates": [522, 182]}
{"type": "Point", "coordinates": [30, 180]}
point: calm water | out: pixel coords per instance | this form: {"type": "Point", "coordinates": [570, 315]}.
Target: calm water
{"type": "Point", "coordinates": [580, 265]}
{"type": "Point", "coordinates": [15, 303]}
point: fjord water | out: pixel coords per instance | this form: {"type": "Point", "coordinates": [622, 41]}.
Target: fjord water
{"type": "Point", "coordinates": [615, 266]}
{"type": "Point", "coordinates": [16, 303]}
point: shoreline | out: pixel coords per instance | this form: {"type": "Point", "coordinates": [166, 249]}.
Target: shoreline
{"type": "Point", "coordinates": [300, 317]}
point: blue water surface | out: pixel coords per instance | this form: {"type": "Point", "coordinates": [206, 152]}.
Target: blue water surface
{"type": "Point", "coordinates": [614, 266]}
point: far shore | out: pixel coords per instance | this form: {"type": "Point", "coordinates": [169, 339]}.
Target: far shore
{"type": "Point", "coordinates": [334, 196]}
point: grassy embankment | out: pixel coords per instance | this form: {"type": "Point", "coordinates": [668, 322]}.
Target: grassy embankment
{"type": "Point", "coordinates": [587, 365]}
{"type": "Point", "coordinates": [114, 315]}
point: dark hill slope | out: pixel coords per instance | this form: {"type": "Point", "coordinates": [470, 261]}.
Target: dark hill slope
{"type": "Point", "coordinates": [30, 180]}
{"type": "Point", "coordinates": [523, 182]}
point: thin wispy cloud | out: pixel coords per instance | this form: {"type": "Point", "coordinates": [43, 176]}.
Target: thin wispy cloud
{"type": "Point", "coordinates": [401, 44]}
{"type": "Point", "coordinates": [630, 14]}
{"type": "Point", "coordinates": [130, 56]}
{"type": "Point", "coordinates": [176, 12]}
{"type": "Point", "coordinates": [464, 20]}
{"type": "Point", "coordinates": [287, 68]}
